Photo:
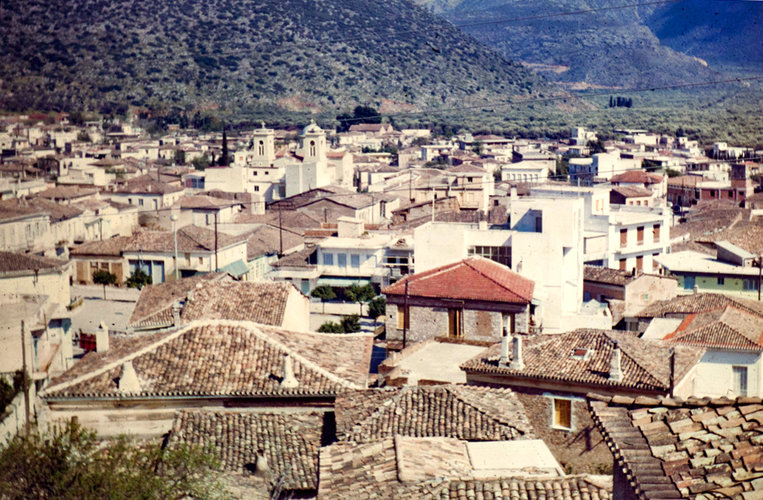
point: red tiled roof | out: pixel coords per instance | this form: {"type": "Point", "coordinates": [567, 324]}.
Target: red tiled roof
{"type": "Point", "coordinates": [698, 448]}
{"type": "Point", "coordinates": [475, 278]}
{"type": "Point", "coordinates": [727, 328]}
{"type": "Point", "coordinates": [637, 176]}
{"type": "Point", "coordinates": [221, 359]}
{"type": "Point", "coordinates": [549, 358]}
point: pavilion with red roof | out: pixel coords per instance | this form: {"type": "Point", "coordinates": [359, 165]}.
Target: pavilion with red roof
{"type": "Point", "coordinates": [470, 299]}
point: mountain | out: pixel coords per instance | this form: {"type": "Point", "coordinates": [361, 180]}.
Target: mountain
{"type": "Point", "coordinates": [598, 43]}
{"type": "Point", "coordinates": [245, 56]}
{"type": "Point", "coordinates": [723, 33]}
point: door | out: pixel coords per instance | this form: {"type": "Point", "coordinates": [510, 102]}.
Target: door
{"type": "Point", "coordinates": [688, 282]}
{"type": "Point", "coordinates": [454, 323]}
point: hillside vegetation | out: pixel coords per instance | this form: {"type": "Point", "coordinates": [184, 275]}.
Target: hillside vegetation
{"type": "Point", "coordinates": [600, 45]}
{"type": "Point", "coordinates": [244, 56]}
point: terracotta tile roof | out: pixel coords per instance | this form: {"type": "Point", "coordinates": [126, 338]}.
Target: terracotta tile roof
{"type": "Point", "coordinates": [475, 278]}
{"type": "Point", "coordinates": [289, 442]}
{"type": "Point", "coordinates": [699, 448]}
{"type": "Point", "coordinates": [204, 202]}
{"type": "Point", "coordinates": [637, 176]}
{"type": "Point", "coordinates": [607, 275]}
{"type": "Point", "coordinates": [727, 328]}
{"type": "Point", "coordinates": [466, 169]}
{"type": "Point", "coordinates": [301, 258]}
{"type": "Point", "coordinates": [457, 411]}
{"type": "Point", "coordinates": [266, 240]}
{"type": "Point", "coordinates": [112, 247]}
{"type": "Point", "coordinates": [632, 191]}
{"type": "Point", "coordinates": [147, 184]}
{"type": "Point", "coordinates": [295, 221]}
{"type": "Point", "coordinates": [696, 303]}
{"type": "Point", "coordinates": [430, 468]}
{"type": "Point", "coordinates": [257, 301]}
{"type": "Point", "coordinates": [189, 239]}
{"type": "Point", "coordinates": [66, 192]}
{"type": "Point", "coordinates": [57, 211]}
{"type": "Point", "coordinates": [154, 306]}
{"type": "Point", "coordinates": [17, 262]}
{"type": "Point", "coordinates": [643, 362]}
{"type": "Point", "coordinates": [15, 208]}
{"type": "Point", "coordinates": [221, 359]}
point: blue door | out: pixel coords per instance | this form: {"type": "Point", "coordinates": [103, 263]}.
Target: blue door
{"type": "Point", "coordinates": [688, 282]}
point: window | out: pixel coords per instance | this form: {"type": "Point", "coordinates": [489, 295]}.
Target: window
{"type": "Point", "coordinates": [539, 223]}
{"type": "Point", "coordinates": [328, 259]}
{"type": "Point", "coordinates": [640, 235]}
{"type": "Point", "coordinates": [256, 189]}
{"type": "Point", "coordinates": [341, 259]}
{"type": "Point", "coordinates": [312, 148]}
{"type": "Point", "coordinates": [622, 264]}
{"type": "Point", "coordinates": [355, 261]}
{"type": "Point", "coordinates": [656, 233]}
{"type": "Point", "coordinates": [188, 258]}
{"type": "Point", "coordinates": [261, 148]}
{"type": "Point", "coordinates": [623, 238]}
{"type": "Point", "coordinates": [562, 413]}
{"type": "Point", "coordinates": [402, 318]}
{"type": "Point", "coordinates": [501, 255]}
{"type": "Point", "coordinates": [721, 280]}
{"type": "Point", "coordinates": [750, 284]}
{"type": "Point", "coordinates": [586, 296]}
{"type": "Point", "coordinates": [640, 262]}
{"type": "Point", "coordinates": [740, 380]}
{"type": "Point", "coordinates": [254, 173]}
{"type": "Point", "coordinates": [454, 323]}
{"type": "Point", "coordinates": [655, 265]}
{"type": "Point", "coordinates": [140, 202]}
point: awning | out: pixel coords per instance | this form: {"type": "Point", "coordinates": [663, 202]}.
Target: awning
{"type": "Point", "coordinates": [236, 269]}
{"type": "Point", "coordinates": [343, 281]}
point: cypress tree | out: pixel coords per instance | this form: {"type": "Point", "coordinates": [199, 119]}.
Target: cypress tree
{"type": "Point", "coordinates": [224, 158]}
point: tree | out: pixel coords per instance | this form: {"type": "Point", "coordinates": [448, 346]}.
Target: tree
{"type": "Point", "coordinates": [224, 156]}
{"type": "Point", "coordinates": [377, 307]}
{"type": "Point", "coordinates": [330, 327]}
{"type": "Point", "coordinates": [350, 324]}
{"type": "Point", "coordinates": [179, 157]}
{"type": "Point", "coordinates": [325, 293]}
{"type": "Point", "coordinates": [138, 279]}
{"type": "Point", "coordinates": [69, 462]}
{"type": "Point", "coordinates": [83, 136]}
{"type": "Point", "coordinates": [103, 277]}
{"type": "Point", "coordinates": [596, 146]}
{"type": "Point", "coordinates": [360, 294]}
{"type": "Point", "coordinates": [200, 162]}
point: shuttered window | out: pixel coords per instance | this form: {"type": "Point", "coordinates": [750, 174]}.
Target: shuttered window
{"type": "Point", "coordinates": [402, 317]}
{"type": "Point", "coordinates": [563, 413]}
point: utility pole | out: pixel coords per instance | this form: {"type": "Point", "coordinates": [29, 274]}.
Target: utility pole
{"type": "Point", "coordinates": [24, 378]}
{"type": "Point", "coordinates": [410, 185]}
{"type": "Point", "coordinates": [174, 219]}
{"type": "Point", "coordinates": [280, 233]}
{"type": "Point", "coordinates": [760, 273]}
{"type": "Point", "coordinates": [407, 317]}
{"type": "Point", "coordinates": [433, 198]}
{"type": "Point", "coordinates": [217, 267]}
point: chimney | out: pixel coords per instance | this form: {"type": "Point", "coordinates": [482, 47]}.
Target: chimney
{"type": "Point", "coordinates": [261, 467]}
{"type": "Point", "coordinates": [504, 361]}
{"type": "Point", "coordinates": [672, 381]}
{"type": "Point", "coordinates": [517, 359]}
{"type": "Point", "coordinates": [513, 192]}
{"type": "Point", "coordinates": [615, 372]}
{"type": "Point", "coordinates": [102, 338]}
{"type": "Point", "coordinates": [289, 381]}
{"type": "Point", "coordinates": [176, 308]}
{"type": "Point", "coordinates": [128, 379]}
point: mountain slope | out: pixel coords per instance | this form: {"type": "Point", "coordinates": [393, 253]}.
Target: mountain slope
{"type": "Point", "coordinates": [577, 41]}
{"type": "Point", "coordinates": [243, 55]}
{"type": "Point", "coordinates": [724, 33]}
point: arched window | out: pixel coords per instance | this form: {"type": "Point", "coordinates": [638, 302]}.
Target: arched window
{"type": "Point", "coordinates": [261, 148]}
{"type": "Point", "coordinates": [312, 148]}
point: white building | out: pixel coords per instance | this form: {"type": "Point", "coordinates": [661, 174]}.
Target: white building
{"type": "Point", "coordinates": [544, 243]}
{"type": "Point", "coordinates": [622, 237]}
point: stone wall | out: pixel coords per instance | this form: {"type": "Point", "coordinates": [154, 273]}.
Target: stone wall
{"type": "Point", "coordinates": [431, 322]}
{"type": "Point", "coordinates": [581, 450]}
